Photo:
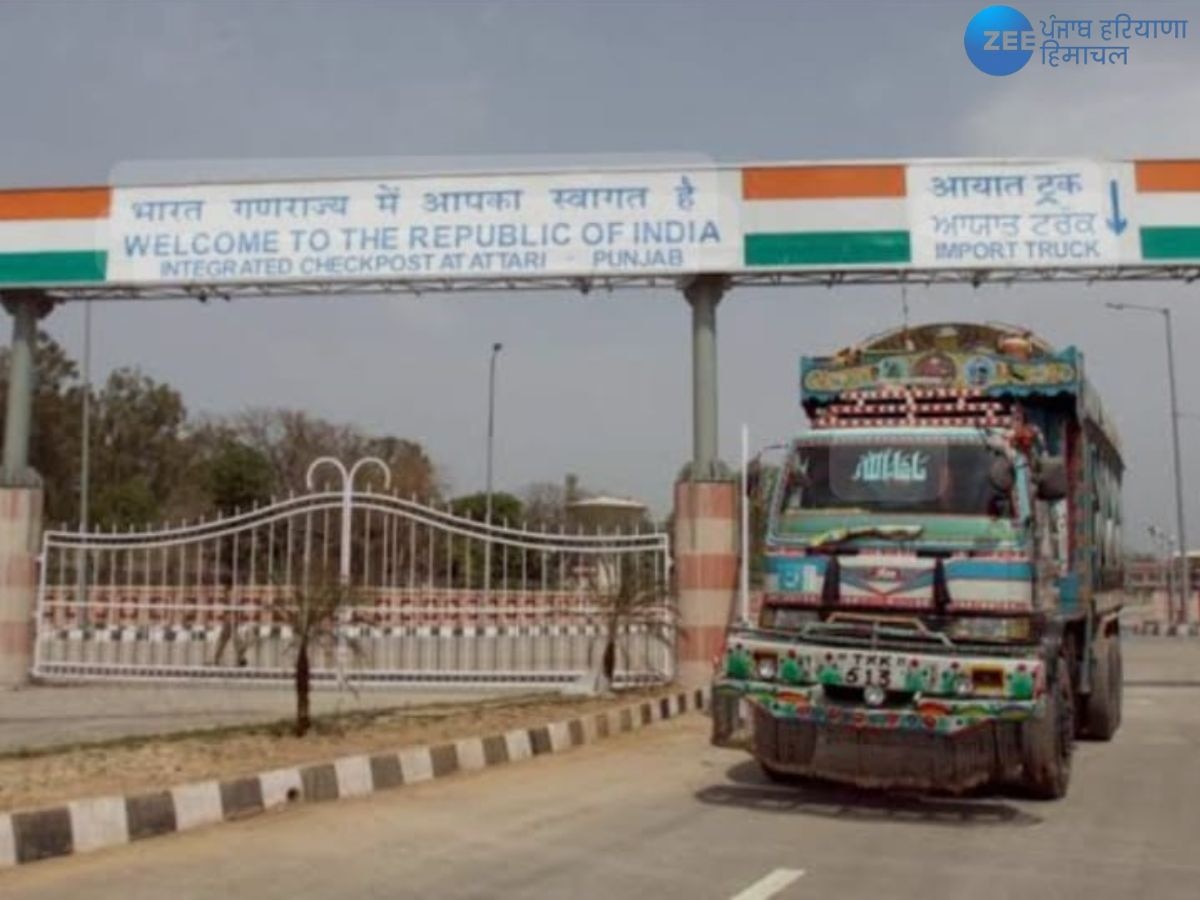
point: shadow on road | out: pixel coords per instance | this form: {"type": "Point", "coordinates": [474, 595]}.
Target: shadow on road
{"type": "Point", "coordinates": [751, 790]}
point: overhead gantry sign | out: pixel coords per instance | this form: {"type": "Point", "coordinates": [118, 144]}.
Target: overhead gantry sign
{"type": "Point", "coordinates": [701, 228]}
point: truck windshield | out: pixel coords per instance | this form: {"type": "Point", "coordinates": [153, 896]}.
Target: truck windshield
{"type": "Point", "coordinates": [904, 475]}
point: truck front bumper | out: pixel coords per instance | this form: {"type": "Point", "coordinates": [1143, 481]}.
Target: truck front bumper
{"type": "Point", "coordinates": [912, 737]}
{"type": "Point", "coordinates": [922, 715]}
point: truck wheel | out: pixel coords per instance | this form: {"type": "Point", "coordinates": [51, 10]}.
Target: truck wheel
{"type": "Point", "coordinates": [1046, 743]}
{"type": "Point", "coordinates": [1103, 710]}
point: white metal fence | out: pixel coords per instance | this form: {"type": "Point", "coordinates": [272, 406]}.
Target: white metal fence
{"type": "Point", "coordinates": [209, 600]}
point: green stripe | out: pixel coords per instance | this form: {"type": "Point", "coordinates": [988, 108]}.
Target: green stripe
{"type": "Point", "coordinates": [1171, 242]}
{"type": "Point", "coordinates": [53, 268]}
{"type": "Point", "coordinates": [824, 248]}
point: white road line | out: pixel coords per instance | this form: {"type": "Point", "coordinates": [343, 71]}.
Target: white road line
{"type": "Point", "coordinates": [770, 885]}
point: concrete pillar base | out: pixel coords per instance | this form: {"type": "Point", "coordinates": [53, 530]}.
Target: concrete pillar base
{"type": "Point", "coordinates": [20, 539]}
{"type": "Point", "coordinates": [706, 573]}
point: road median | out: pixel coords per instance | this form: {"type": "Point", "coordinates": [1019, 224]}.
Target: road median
{"type": "Point", "coordinates": [465, 741]}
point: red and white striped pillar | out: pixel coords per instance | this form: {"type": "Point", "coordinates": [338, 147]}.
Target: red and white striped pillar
{"type": "Point", "coordinates": [706, 573]}
{"type": "Point", "coordinates": [20, 534]}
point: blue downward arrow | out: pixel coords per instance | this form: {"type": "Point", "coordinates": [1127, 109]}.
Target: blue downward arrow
{"type": "Point", "coordinates": [1116, 224]}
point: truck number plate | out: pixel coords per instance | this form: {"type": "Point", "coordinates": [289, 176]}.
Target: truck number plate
{"type": "Point", "coordinates": [862, 669]}
{"type": "Point", "coordinates": [861, 676]}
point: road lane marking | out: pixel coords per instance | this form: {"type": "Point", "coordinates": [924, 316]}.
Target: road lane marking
{"type": "Point", "coordinates": [770, 885]}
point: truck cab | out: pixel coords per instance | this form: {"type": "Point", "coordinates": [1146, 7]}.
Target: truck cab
{"type": "Point", "coordinates": [903, 520]}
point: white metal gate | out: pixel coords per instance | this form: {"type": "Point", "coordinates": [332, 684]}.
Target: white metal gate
{"type": "Point", "coordinates": [202, 601]}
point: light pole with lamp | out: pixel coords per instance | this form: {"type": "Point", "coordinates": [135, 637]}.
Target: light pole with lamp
{"type": "Point", "coordinates": [1185, 578]}
{"type": "Point", "coordinates": [85, 458]}
{"type": "Point", "coordinates": [491, 433]}
{"type": "Point", "coordinates": [345, 559]}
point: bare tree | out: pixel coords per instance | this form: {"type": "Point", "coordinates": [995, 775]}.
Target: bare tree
{"type": "Point", "coordinates": [545, 504]}
{"type": "Point", "coordinates": [316, 614]}
{"type": "Point", "coordinates": [625, 593]}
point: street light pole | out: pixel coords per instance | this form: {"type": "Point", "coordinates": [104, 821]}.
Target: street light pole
{"type": "Point", "coordinates": [1173, 580]}
{"type": "Point", "coordinates": [1185, 578]}
{"type": "Point", "coordinates": [491, 432]}
{"type": "Point", "coordinates": [85, 455]}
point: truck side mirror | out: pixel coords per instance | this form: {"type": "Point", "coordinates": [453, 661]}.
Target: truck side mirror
{"type": "Point", "coordinates": [1052, 479]}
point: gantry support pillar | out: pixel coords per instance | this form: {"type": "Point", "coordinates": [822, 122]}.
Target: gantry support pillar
{"type": "Point", "coordinates": [20, 494]}
{"type": "Point", "coordinates": [706, 506]}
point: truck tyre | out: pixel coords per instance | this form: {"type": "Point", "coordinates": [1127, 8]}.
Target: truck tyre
{"type": "Point", "coordinates": [1103, 704]}
{"type": "Point", "coordinates": [1046, 743]}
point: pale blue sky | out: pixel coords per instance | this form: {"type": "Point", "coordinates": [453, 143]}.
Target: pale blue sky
{"type": "Point", "coordinates": [599, 385]}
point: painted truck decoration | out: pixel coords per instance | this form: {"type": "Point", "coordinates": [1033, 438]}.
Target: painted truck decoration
{"type": "Point", "coordinates": [942, 571]}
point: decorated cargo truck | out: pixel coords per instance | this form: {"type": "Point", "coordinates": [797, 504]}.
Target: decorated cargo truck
{"type": "Point", "coordinates": [942, 571]}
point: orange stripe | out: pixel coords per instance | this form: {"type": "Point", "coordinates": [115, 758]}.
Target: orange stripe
{"type": "Point", "coordinates": [706, 499]}
{"type": "Point", "coordinates": [701, 644]}
{"type": "Point", "coordinates": [1168, 175]}
{"type": "Point", "coordinates": [708, 571]}
{"type": "Point", "coordinates": [822, 182]}
{"type": "Point", "coordinates": [76, 203]}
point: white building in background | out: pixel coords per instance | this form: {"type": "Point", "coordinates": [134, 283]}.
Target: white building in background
{"type": "Point", "coordinates": [602, 515]}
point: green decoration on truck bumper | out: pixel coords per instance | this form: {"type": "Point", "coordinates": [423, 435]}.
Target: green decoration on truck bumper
{"type": "Point", "coordinates": [929, 692]}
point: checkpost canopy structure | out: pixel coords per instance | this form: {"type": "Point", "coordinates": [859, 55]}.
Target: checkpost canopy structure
{"type": "Point", "coordinates": [699, 226]}
{"type": "Point", "coordinates": [831, 222]}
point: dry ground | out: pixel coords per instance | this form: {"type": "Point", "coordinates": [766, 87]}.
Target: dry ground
{"type": "Point", "coordinates": [41, 777]}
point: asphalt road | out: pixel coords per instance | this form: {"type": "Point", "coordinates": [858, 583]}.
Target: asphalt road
{"type": "Point", "coordinates": [661, 814]}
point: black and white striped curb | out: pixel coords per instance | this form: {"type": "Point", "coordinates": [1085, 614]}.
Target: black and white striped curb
{"type": "Point", "coordinates": [90, 824]}
{"type": "Point", "coordinates": [1161, 629]}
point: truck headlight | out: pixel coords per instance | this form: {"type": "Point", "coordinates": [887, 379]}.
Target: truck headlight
{"type": "Point", "coordinates": [990, 628]}
{"type": "Point", "coordinates": [963, 685]}
{"type": "Point", "coordinates": [766, 666]}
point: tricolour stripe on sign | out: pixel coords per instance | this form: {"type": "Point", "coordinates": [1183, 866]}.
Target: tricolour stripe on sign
{"type": "Point", "coordinates": [1167, 175]}
{"type": "Point", "coordinates": [825, 216]}
{"type": "Point", "coordinates": [52, 235]}
{"type": "Point", "coordinates": [781, 216]}
{"type": "Point", "coordinates": [822, 182]}
{"type": "Point", "coordinates": [1168, 194]}
{"type": "Point", "coordinates": [52, 267]}
{"type": "Point", "coordinates": [821, 248]}
{"type": "Point", "coordinates": [73, 203]}
{"type": "Point", "coordinates": [1171, 242]}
